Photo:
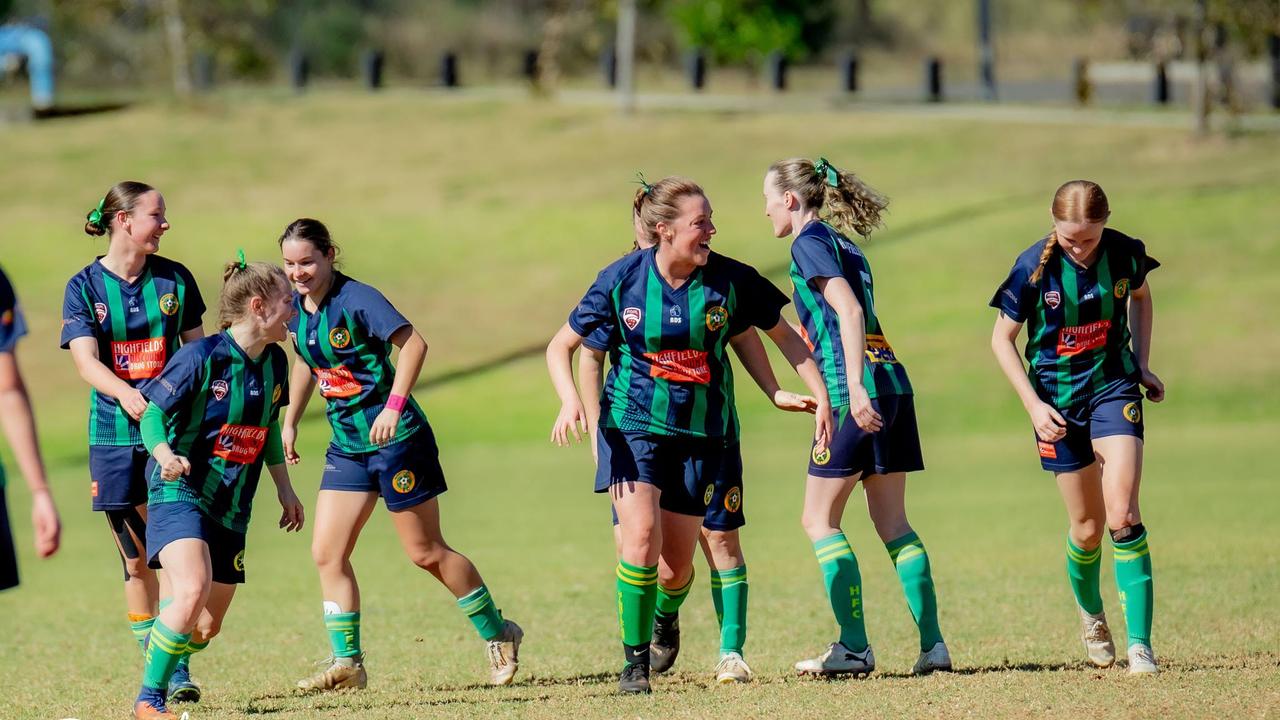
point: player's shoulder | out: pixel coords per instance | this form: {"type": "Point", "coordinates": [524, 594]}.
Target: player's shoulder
{"type": "Point", "coordinates": [1116, 241]}
{"type": "Point", "coordinates": [351, 292]}
{"type": "Point", "coordinates": [1029, 259]}
{"type": "Point", "coordinates": [624, 267]}
{"type": "Point", "coordinates": [84, 275]}
{"type": "Point", "coordinates": [169, 269]}
{"type": "Point", "coordinates": [723, 264]}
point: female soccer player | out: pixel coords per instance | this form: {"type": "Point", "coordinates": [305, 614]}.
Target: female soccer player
{"type": "Point", "coordinates": [124, 316]}
{"type": "Point", "coordinates": [1088, 362]}
{"type": "Point", "coordinates": [667, 441]}
{"type": "Point", "coordinates": [211, 422]}
{"type": "Point", "coordinates": [382, 445]}
{"type": "Point", "coordinates": [875, 438]}
{"type": "Point", "coordinates": [20, 426]}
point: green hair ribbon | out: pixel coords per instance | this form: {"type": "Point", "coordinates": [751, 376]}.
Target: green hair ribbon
{"type": "Point", "coordinates": [644, 183]}
{"type": "Point", "coordinates": [95, 215]}
{"type": "Point", "coordinates": [240, 263]}
{"type": "Point", "coordinates": [826, 171]}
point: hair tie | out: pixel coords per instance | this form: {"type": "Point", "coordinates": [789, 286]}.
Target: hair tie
{"type": "Point", "coordinates": [240, 263]}
{"type": "Point", "coordinates": [644, 184]}
{"type": "Point", "coordinates": [826, 171]}
{"type": "Point", "coordinates": [95, 215]}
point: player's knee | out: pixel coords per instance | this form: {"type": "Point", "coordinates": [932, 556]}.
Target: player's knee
{"type": "Point", "coordinates": [135, 568]}
{"type": "Point", "coordinates": [1086, 533]}
{"type": "Point", "coordinates": [891, 527]}
{"type": "Point", "coordinates": [328, 559]}
{"type": "Point", "coordinates": [206, 629]}
{"type": "Point", "coordinates": [817, 526]}
{"type": "Point", "coordinates": [1127, 533]}
{"type": "Point", "coordinates": [725, 547]}
{"type": "Point", "coordinates": [429, 557]}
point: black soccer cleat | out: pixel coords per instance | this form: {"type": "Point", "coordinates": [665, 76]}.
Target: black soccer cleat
{"type": "Point", "coordinates": [634, 679]}
{"type": "Point", "coordinates": [665, 645]}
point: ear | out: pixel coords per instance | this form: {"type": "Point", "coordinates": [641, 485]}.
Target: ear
{"type": "Point", "coordinates": [661, 227]}
{"type": "Point", "coordinates": [790, 201]}
{"type": "Point", "coordinates": [257, 304]}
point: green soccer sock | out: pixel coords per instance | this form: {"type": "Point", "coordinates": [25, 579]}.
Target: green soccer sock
{"type": "Point", "coordinates": [669, 601]}
{"type": "Point", "coordinates": [1084, 570]}
{"type": "Point", "coordinates": [479, 606]}
{"type": "Point", "coordinates": [344, 633]}
{"type": "Point", "coordinates": [637, 589]}
{"type": "Point", "coordinates": [1137, 592]}
{"type": "Point", "coordinates": [844, 588]}
{"type": "Point", "coordinates": [193, 647]}
{"type": "Point", "coordinates": [911, 560]}
{"type": "Point", "coordinates": [729, 591]}
{"type": "Point", "coordinates": [141, 627]}
{"type": "Point", "coordinates": [164, 648]}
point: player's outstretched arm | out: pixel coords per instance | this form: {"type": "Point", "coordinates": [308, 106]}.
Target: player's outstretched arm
{"type": "Point", "coordinates": [750, 350]}
{"type": "Point", "coordinates": [84, 351]}
{"type": "Point", "coordinates": [797, 353]}
{"type": "Point", "coordinates": [1050, 426]}
{"type": "Point", "coordinates": [572, 417]}
{"type": "Point", "coordinates": [20, 427]}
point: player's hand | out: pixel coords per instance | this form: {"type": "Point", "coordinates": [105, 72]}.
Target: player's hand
{"type": "Point", "coordinates": [291, 516]}
{"type": "Point", "coordinates": [174, 467]}
{"type": "Point", "coordinates": [572, 419]}
{"type": "Point", "coordinates": [1049, 425]}
{"type": "Point", "coordinates": [824, 427]}
{"type": "Point", "coordinates": [794, 402]}
{"type": "Point", "coordinates": [45, 522]}
{"type": "Point", "coordinates": [864, 413]}
{"type": "Point", "coordinates": [595, 449]}
{"type": "Point", "coordinates": [288, 438]}
{"type": "Point", "coordinates": [384, 426]}
{"type": "Point", "coordinates": [1155, 388]}
{"type": "Point", "coordinates": [133, 403]}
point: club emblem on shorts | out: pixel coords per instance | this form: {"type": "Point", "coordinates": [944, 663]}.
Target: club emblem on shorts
{"type": "Point", "coordinates": [404, 481]}
{"type": "Point", "coordinates": [238, 562]}
{"type": "Point", "coordinates": [733, 499]}
{"type": "Point", "coordinates": [1053, 299]}
{"type": "Point", "coordinates": [706, 496]}
{"type": "Point", "coordinates": [1133, 413]}
{"type": "Point", "coordinates": [1122, 287]}
{"type": "Point", "coordinates": [339, 337]}
{"type": "Point", "coordinates": [823, 457]}
{"type": "Point", "coordinates": [168, 303]}
{"type": "Point", "coordinates": [100, 311]}
{"type": "Point", "coordinates": [631, 317]}
{"type": "Point", "coordinates": [275, 394]}
{"type": "Point", "coordinates": [717, 317]}
{"type": "Point", "coordinates": [219, 388]}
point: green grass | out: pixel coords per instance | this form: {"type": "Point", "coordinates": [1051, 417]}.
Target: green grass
{"type": "Point", "coordinates": [484, 221]}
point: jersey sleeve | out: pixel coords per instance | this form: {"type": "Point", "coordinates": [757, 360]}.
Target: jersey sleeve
{"type": "Point", "coordinates": [12, 325]}
{"type": "Point", "coordinates": [1142, 264]}
{"type": "Point", "coordinates": [193, 304]}
{"type": "Point", "coordinates": [760, 302]}
{"type": "Point", "coordinates": [1016, 295]}
{"type": "Point", "coordinates": [815, 257]}
{"type": "Point", "coordinates": [376, 314]}
{"type": "Point", "coordinates": [593, 317]}
{"type": "Point", "coordinates": [281, 370]}
{"type": "Point", "coordinates": [179, 381]}
{"type": "Point", "coordinates": [77, 316]}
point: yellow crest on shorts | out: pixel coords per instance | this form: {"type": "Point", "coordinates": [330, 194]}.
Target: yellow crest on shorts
{"type": "Point", "coordinates": [404, 481]}
{"type": "Point", "coordinates": [238, 562]}
{"type": "Point", "coordinates": [733, 499]}
{"type": "Point", "coordinates": [823, 457]}
{"type": "Point", "coordinates": [706, 496]}
{"type": "Point", "coordinates": [1133, 413]}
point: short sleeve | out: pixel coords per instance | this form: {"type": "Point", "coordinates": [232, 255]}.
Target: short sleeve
{"type": "Point", "coordinates": [760, 302]}
{"type": "Point", "coordinates": [179, 380]}
{"type": "Point", "coordinates": [77, 316]}
{"type": "Point", "coordinates": [12, 324]}
{"type": "Point", "coordinates": [193, 303]}
{"type": "Point", "coordinates": [816, 257]}
{"type": "Point", "coordinates": [1142, 264]}
{"type": "Point", "coordinates": [375, 314]}
{"type": "Point", "coordinates": [1016, 295]}
{"type": "Point", "coordinates": [281, 370]}
{"type": "Point", "coordinates": [593, 317]}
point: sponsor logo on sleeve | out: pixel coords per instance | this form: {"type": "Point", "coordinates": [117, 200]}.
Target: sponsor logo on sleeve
{"type": "Point", "coordinates": [337, 382]}
{"type": "Point", "coordinates": [339, 337]}
{"type": "Point", "coordinates": [717, 317]}
{"type": "Point", "coordinates": [241, 444]}
{"type": "Point", "coordinates": [1083, 338]}
{"type": "Point", "coordinates": [1047, 450]}
{"type": "Point", "coordinates": [138, 359]}
{"type": "Point", "coordinates": [404, 482]}
{"type": "Point", "coordinates": [1053, 299]}
{"type": "Point", "coordinates": [685, 366]}
{"type": "Point", "coordinates": [733, 499]}
{"type": "Point", "coordinates": [1133, 413]}
{"type": "Point", "coordinates": [169, 304]}
{"type": "Point", "coordinates": [100, 311]}
{"type": "Point", "coordinates": [219, 388]}
{"type": "Point", "coordinates": [1122, 287]}
{"type": "Point", "coordinates": [631, 317]}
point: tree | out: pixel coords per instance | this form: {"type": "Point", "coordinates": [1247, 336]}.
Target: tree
{"type": "Point", "coordinates": [743, 31]}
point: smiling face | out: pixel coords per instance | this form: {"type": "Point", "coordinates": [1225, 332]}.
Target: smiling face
{"type": "Point", "coordinates": [308, 269]}
{"type": "Point", "coordinates": [688, 236]}
{"type": "Point", "coordinates": [778, 205]}
{"type": "Point", "coordinates": [275, 312]}
{"type": "Point", "coordinates": [144, 225]}
{"type": "Point", "coordinates": [1079, 240]}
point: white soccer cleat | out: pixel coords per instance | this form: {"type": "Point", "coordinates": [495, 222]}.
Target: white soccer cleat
{"type": "Point", "coordinates": [504, 654]}
{"type": "Point", "coordinates": [1096, 636]}
{"type": "Point", "coordinates": [933, 659]}
{"type": "Point", "coordinates": [1142, 661]}
{"type": "Point", "coordinates": [733, 669]}
{"type": "Point", "coordinates": [344, 673]}
{"type": "Point", "coordinates": [839, 660]}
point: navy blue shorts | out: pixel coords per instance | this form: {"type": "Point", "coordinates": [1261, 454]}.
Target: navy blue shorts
{"type": "Point", "coordinates": [8, 552]}
{"type": "Point", "coordinates": [697, 476]}
{"type": "Point", "coordinates": [406, 473]}
{"type": "Point", "coordinates": [171, 521]}
{"type": "Point", "coordinates": [1115, 410]}
{"type": "Point", "coordinates": [894, 448]}
{"type": "Point", "coordinates": [119, 476]}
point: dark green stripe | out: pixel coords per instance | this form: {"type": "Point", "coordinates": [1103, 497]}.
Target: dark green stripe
{"type": "Point", "coordinates": [728, 409]}
{"type": "Point", "coordinates": [119, 332]}
{"type": "Point", "coordinates": [697, 320]}
{"type": "Point", "coordinates": [661, 401]}
{"type": "Point", "coordinates": [622, 375]}
{"type": "Point", "coordinates": [1107, 310]}
{"type": "Point", "coordinates": [831, 373]}
{"type": "Point", "coordinates": [337, 405]}
{"type": "Point", "coordinates": [1071, 318]}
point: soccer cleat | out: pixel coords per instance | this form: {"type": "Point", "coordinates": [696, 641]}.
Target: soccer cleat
{"type": "Point", "coordinates": [182, 688]}
{"type": "Point", "coordinates": [1141, 660]}
{"type": "Point", "coordinates": [146, 710]}
{"type": "Point", "coordinates": [634, 679]}
{"type": "Point", "coordinates": [839, 660]}
{"type": "Point", "coordinates": [344, 673]}
{"type": "Point", "coordinates": [1096, 636]}
{"type": "Point", "coordinates": [733, 669]}
{"type": "Point", "coordinates": [504, 654]}
{"type": "Point", "coordinates": [935, 658]}
{"type": "Point", "coordinates": [665, 645]}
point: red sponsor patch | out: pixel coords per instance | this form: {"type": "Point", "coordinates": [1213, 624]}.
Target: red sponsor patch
{"type": "Point", "coordinates": [631, 317]}
{"type": "Point", "coordinates": [879, 350]}
{"type": "Point", "coordinates": [689, 366]}
{"type": "Point", "coordinates": [240, 443]}
{"type": "Point", "coordinates": [1082, 338]}
{"type": "Point", "coordinates": [138, 359]}
{"type": "Point", "coordinates": [337, 382]}
{"type": "Point", "coordinates": [1048, 450]}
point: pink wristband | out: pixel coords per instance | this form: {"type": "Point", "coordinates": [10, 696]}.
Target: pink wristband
{"type": "Point", "coordinates": [396, 402]}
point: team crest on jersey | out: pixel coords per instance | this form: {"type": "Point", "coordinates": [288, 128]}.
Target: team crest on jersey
{"type": "Point", "coordinates": [675, 318]}
{"type": "Point", "coordinates": [238, 562]}
{"type": "Point", "coordinates": [168, 303]}
{"type": "Point", "coordinates": [631, 317]}
{"type": "Point", "coordinates": [1133, 413]}
{"type": "Point", "coordinates": [339, 337]}
{"type": "Point", "coordinates": [100, 311]}
{"type": "Point", "coordinates": [404, 481]}
{"type": "Point", "coordinates": [821, 457]}
{"type": "Point", "coordinates": [706, 496]}
{"type": "Point", "coordinates": [1122, 287]}
{"type": "Point", "coordinates": [275, 394]}
{"type": "Point", "coordinates": [717, 317]}
{"type": "Point", "coordinates": [219, 388]}
{"type": "Point", "coordinates": [733, 499]}
{"type": "Point", "coordinates": [1053, 299]}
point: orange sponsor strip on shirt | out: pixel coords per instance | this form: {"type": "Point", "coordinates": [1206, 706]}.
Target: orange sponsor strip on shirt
{"type": "Point", "coordinates": [337, 382]}
{"type": "Point", "coordinates": [138, 359]}
{"type": "Point", "coordinates": [240, 443]}
{"type": "Point", "coordinates": [689, 366]}
{"type": "Point", "coordinates": [1082, 338]}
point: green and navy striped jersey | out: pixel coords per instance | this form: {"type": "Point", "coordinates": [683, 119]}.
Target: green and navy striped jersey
{"type": "Point", "coordinates": [1077, 317]}
{"type": "Point", "coordinates": [136, 326]}
{"type": "Point", "coordinates": [347, 345]}
{"type": "Point", "coordinates": [821, 251]}
{"type": "Point", "coordinates": [221, 405]}
{"type": "Point", "coordinates": [12, 327]}
{"type": "Point", "coordinates": [670, 374]}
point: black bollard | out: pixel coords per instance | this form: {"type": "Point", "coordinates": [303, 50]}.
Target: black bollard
{"type": "Point", "coordinates": [449, 69]}
{"type": "Point", "coordinates": [1273, 47]}
{"type": "Point", "coordinates": [1082, 87]}
{"type": "Point", "coordinates": [933, 80]}
{"type": "Point", "coordinates": [202, 72]}
{"type": "Point", "coordinates": [299, 70]}
{"type": "Point", "coordinates": [849, 72]}
{"type": "Point", "coordinates": [777, 64]}
{"type": "Point", "coordinates": [697, 67]}
{"type": "Point", "coordinates": [529, 69]}
{"type": "Point", "coordinates": [1161, 89]}
{"type": "Point", "coordinates": [371, 66]}
{"type": "Point", "coordinates": [609, 66]}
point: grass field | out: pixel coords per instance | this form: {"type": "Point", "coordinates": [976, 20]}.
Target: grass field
{"type": "Point", "coordinates": [484, 221]}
